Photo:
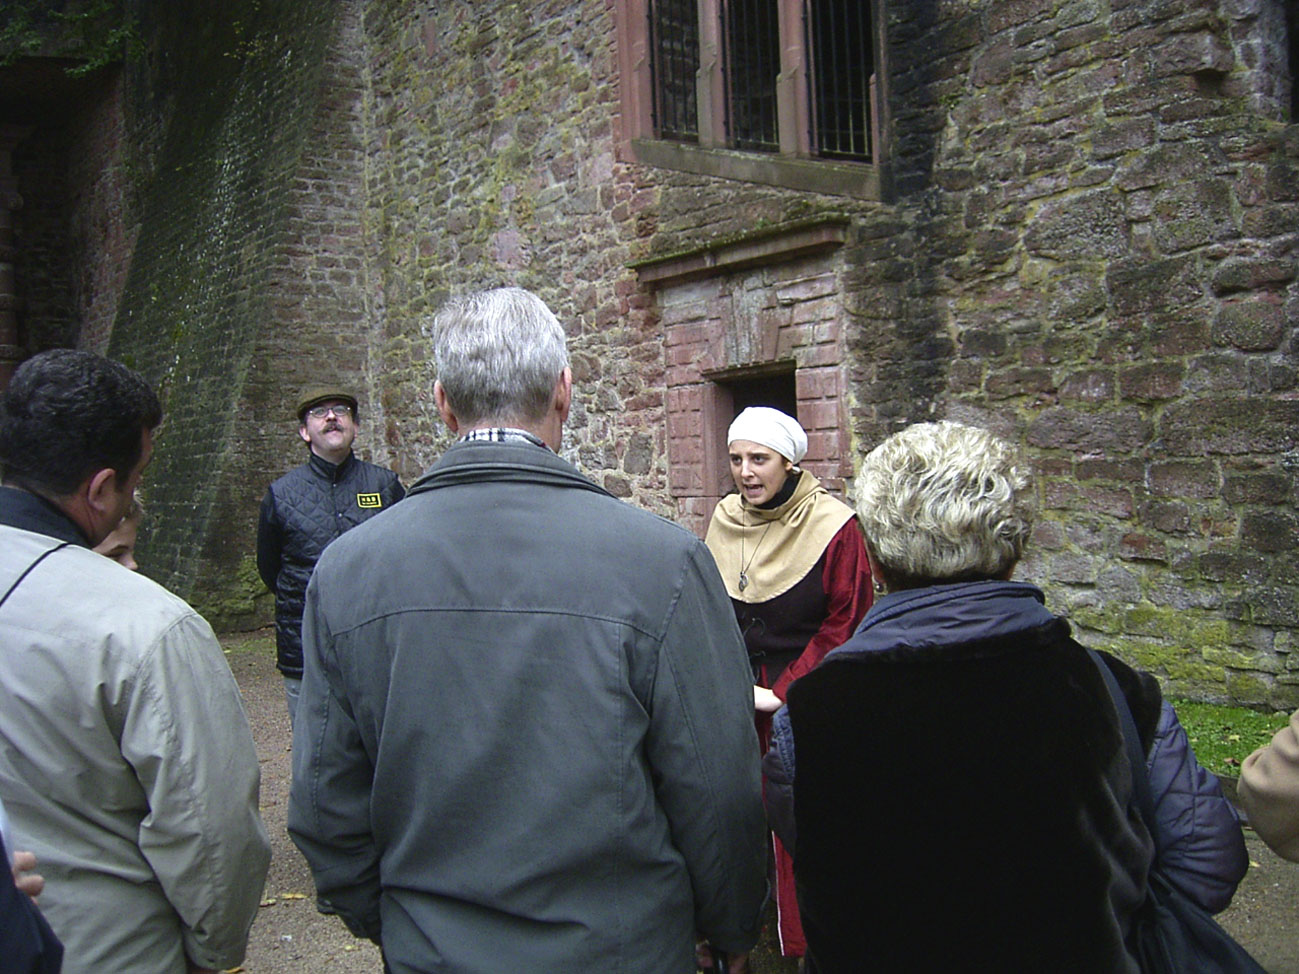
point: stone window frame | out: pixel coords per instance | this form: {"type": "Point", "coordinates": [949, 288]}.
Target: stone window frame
{"type": "Point", "coordinates": [700, 375]}
{"type": "Point", "coordinates": [794, 166]}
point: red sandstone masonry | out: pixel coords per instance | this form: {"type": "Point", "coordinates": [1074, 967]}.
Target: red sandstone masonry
{"type": "Point", "coordinates": [1046, 237]}
{"type": "Point", "coordinates": [718, 326]}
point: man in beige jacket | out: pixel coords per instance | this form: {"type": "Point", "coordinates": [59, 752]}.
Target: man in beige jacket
{"type": "Point", "coordinates": [126, 761]}
{"type": "Point", "coordinates": [1269, 790]}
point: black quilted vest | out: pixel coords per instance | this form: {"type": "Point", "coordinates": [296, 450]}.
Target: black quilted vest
{"type": "Point", "coordinates": [312, 505]}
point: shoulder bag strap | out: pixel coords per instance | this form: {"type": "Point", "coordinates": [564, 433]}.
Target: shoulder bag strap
{"type": "Point", "coordinates": [1132, 741]}
{"type": "Point", "coordinates": [28, 570]}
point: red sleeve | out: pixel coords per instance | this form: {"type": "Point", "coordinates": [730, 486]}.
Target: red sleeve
{"type": "Point", "coordinates": [847, 582]}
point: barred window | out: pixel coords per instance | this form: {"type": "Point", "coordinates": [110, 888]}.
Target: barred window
{"type": "Point", "coordinates": [779, 76]}
{"type": "Point", "coordinates": [674, 37]}
{"type": "Point", "coordinates": [792, 91]}
{"type": "Point", "coordinates": [752, 58]}
{"type": "Point", "coordinates": [843, 66]}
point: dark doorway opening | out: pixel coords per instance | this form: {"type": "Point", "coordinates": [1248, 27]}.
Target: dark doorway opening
{"type": "Point", "coordinates": [734, 392]}
{"type": "Point", "coordinates": [766, 390]}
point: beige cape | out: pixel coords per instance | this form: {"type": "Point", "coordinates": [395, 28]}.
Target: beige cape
{"type": "Point", "coordinates": [775, 548]}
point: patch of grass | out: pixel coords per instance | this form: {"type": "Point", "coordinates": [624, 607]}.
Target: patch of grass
{"type": "Point", "coordinates": [1222, 737]}
{"type": "Point", "coordinates": [258, 641]}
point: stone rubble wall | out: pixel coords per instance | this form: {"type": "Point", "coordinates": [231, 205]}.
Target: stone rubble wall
{"type": "Point", "coordinates": [1088, 243]}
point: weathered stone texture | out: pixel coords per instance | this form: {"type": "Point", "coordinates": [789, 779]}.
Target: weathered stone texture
{"type": "Point", "coordinates": [219, 127]}
{"type": "Point", "coordinates": [1153, 210]}
{"type": "Point", "coordinates": [1088, 244]}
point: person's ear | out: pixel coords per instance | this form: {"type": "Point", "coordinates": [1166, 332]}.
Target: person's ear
{"type": "Point", "coordinates": [563, 400]}
{"type": "Point", "coordinates": [99, 494]}
{"type": "Point", "coordinates": [877, 577]}
{"type": "Point", "coordinates": [444, 407]}
{"type": "Point", "coordinates": [96, 501]}
{"type": "Point", "coordinates": [302, 432]}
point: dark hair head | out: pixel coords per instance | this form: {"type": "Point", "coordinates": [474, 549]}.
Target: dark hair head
{"type": "Point", "coordinates": [68, 414]}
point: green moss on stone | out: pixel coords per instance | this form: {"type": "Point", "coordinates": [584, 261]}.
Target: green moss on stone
{"type": "Point", "coordinates": [1175, 625]}
{"type": "Point", "coordinates": [1235, 659]}
{"type": "Point", "coordinates": [1248, 689]}
{"type": "Point", "coordinates": [1191, 670]}
{"type": "Point", "coordinates": [241, 602]}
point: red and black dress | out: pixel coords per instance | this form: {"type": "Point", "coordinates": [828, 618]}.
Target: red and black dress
{"type": "Point", "coordinates": [798, 576]}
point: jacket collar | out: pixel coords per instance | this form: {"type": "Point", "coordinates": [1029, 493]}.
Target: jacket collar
{"type": "Point", "coordinates": [31, 512]}
{"type": "Point", "coordinates": [475, 461]}
{"type": "Point", "coordinates": [941, 615]}
{"type": "Point", "coordinates": [330, 471]}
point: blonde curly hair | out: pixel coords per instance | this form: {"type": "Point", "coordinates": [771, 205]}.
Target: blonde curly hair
{"type": "Point", "coordinates": [944, 502]}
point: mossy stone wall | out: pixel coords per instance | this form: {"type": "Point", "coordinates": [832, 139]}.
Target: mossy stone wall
{"type": "Point", "coordinates": [1090, 247]}
{"type": "Point", "coordinates": [220, 111]}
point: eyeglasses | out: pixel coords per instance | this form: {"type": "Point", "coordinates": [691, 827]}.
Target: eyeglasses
{"type": "Point", "coordinates": [320, 412]}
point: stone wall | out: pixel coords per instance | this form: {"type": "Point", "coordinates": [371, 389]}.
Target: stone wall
{"type": "Point", "coordinates": [219, 113]}
{"type": "Point", "coordinates": [1088, 244]}
{"type": "Point", "coordinates": [1089, 247]}
{"type": "Point", "coordinates": [492, 162]}
{"type": "Point", "coordinates": [103, 221]}
{"type": "Point", "coordinates": [1101, 231]}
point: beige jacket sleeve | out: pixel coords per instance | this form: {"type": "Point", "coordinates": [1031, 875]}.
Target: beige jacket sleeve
{"type": "Point", "coordinates": [1269, 790]}
{"type": "Point", "coordinates": [187, 736]}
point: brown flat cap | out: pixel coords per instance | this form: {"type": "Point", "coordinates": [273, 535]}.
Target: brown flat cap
{"type": "Point", "coordinates": [318, 394]}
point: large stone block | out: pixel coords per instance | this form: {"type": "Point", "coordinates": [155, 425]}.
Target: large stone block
{"type": "Point", "coordinates": [1256, 325]}
{"type": "Point", "coordinates": [1138, 286]}
{"type": "Point", "coordinates": [1088, 226]}
{"type": "Point", "coordinates": [1230, 426]}
{"type": "Point", "coordinates": [1122, 430]}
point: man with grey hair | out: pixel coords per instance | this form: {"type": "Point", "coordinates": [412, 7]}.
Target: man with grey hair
{"type": "Point", "coordinates": [525, 739]}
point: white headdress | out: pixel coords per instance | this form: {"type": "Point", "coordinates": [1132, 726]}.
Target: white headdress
{"type": "Point", "coordinates": [771, 428]}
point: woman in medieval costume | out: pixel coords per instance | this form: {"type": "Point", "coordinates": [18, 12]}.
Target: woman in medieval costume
{"type": "Point", "coordinates": [795, 566]}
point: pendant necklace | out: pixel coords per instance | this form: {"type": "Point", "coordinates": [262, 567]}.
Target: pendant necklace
{"type": "Point", "coordinates": [744, 565]}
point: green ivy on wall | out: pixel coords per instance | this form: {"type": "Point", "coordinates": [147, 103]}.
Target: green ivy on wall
{"type": "Point", "coordinates": [94, 33]}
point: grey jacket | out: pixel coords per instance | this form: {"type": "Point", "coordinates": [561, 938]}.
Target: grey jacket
{"type": "Point", "coordinates": [126, 764]}
{"type": "Point", "coordinates": [525, 739]}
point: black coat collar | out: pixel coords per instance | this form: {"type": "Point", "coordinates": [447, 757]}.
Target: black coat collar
{"type": "Point", "coordinates": [330, 471]}
{"type": "Point", "coordinates": [31, 512]}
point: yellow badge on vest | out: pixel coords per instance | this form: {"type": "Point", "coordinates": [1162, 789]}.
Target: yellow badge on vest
{"type": "Point", "coordinates": [369, 500]}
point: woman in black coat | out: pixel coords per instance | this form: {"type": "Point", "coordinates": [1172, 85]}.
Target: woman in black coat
{"type": "Point", "coordinates": [958, 798]}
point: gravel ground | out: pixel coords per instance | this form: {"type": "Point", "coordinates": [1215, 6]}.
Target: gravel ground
{"type": "Point", "coordinates": [290, 937]}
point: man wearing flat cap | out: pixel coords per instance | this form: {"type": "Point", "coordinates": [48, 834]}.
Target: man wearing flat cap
{"type": "Point", "coordinates": [308, 508]}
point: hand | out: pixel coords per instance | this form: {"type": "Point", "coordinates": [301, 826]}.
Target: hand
{"type": "Point", "coordinates": [735, 963]}
{"type": "Point", "coordinates": [28, 882]}
{"type": "Point", "coordinates": [764, 701]}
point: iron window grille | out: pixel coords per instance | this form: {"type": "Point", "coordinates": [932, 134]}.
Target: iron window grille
{"type": "Point", "coordinates": [674, 39]}
{"type": "Point", "coordinates": [842, 65]}
{"type": "Point", "coordinates": [751, 55]}
{"type": "Point", "coordinates": [794, 77]}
